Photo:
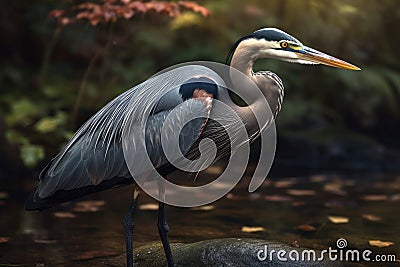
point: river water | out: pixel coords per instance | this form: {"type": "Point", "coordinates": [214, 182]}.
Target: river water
{"type": "Point", "coordinates": [310, 211]}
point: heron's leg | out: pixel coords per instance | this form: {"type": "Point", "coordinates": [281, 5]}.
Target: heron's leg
{"type": "Point", "coordinates": [163, 231]}
{"type": "Point", "coordinates": [129, 224]}
{"type": "Point", "coordinates": [163, 226]}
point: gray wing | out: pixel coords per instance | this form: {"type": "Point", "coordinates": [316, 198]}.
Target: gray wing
{"type": "Point", "coordinates": [95, 152]}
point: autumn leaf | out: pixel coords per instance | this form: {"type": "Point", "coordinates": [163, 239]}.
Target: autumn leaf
{"type": "Point", "coordinates": [283, 183]}
{"type": "Point", "coordinates": [4, 239]}
{"type": "Point", "coordinates": [205, 208]}
{"type": "Point", "coordinates": [379, 243]}
{"type": "Point", "coordinates": [250, 229]}
{"type": "Point", "coordinates": [56, 13]}
{"type": "Point", "coordinates": [375, 197]}
{"type": "Point", "coordinates": [300, 192]}
{"type": "Point", "coordinates": [214, 170]}
{"type": "Point", "coordinates": [278, 198]}
{"type": "Point", "coordinates": [306, 228]}
{"type": "Point", "coordinates": [338, 219]}
{"type": "Point", "coordinates": [318, 178]}
{"type": "Point", "coordinates": [335, 188]}
{"type": "Point", "coordinates": [138, 6]}
{"type": "Point", "coordinates": [44, 241]}
{"type": "Point", "coordinates": [148, 206]}
{"type": "Point", "coordinates": [88, 205]}
{"type": "Point", "coordinates": [108, 11]}
{"type": "Point", "coordinates": [195, 7]}
{"type": "Point", "coordinates": [235, 197]}
{"type": "Point", "coordinates": [64, 215]}
{"type": "Point", "coordinates": [231, 196]}
{"type": "Point", "coordinates": [371, 217]}
{"type": "Point", "coordinates": [395, 197]}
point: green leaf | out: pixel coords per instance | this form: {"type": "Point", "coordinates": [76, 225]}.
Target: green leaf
{"type": "Point", "coordinates": [23, 111]}
{"type": "Point", "coordinates": [16, 137]}
{"type": "Point", "coordinates": [68, 135]}
{"type": "Point", "coordinates": [49, 124]}
{"type": "Point", "coordinates": [31, 154]}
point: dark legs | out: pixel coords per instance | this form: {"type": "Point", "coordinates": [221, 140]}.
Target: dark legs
{"type": "Point", "coordinates": [162, 224]}
{"type": "Point", "coordinates": [129, 224]}
{"type": "Point", "coordinates": [163, 231]}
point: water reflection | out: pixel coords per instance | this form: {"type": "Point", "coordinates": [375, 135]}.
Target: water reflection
{"type": "Point", "coordinates": [291, 209]}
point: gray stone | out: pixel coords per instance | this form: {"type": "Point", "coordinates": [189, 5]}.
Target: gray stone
{"type": "Point", "coordinates": [219, 252]}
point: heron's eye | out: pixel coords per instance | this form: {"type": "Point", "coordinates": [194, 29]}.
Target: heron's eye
{"type": "Point", "coordinates": [284, 44]}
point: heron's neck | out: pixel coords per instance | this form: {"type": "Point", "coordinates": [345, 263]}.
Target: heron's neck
{"type": "Point", "coordinates": [245, 55]}
{"type": "Point", "coordinates": [243, 60]}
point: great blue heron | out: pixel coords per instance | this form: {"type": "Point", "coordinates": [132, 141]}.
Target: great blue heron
{"type": "Point", "coordinates": [93, 160]}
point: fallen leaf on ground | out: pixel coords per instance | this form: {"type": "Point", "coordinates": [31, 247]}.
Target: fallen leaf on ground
{"type": "Point", "coordinates": [218, 185]}
{"type": "Point", "coordinates": [266, 183]}
{"type": "Point", "coordinates": [148, 206]}
{"type": "Point", "coordinates": [230, 196]}
{"type": "Point", "coordinates": [335, 188]}
{"type": "Point", "coordinates": [317, 178]}
{"type": "Point", "coordinates": [300, 192]}
{"type": "Point", "coordinates": [338, 219]}
{"type": "Point", "coordinates": [44, 241]}
{"type": "Point", "coordinates": [375, 197]}
{"type": "Point", "coordinates": [235, 197]}
{"type": "Point", "coordinates": [204, 208]}
{"type": "Point", "coordinates": [379, 243]}
{"type": "Point", "coordinates": [93, 254]}
{"type": "Point", "coordinates": [306, 228]}
{"type": "Point", "coordinates": [284, 183]}
{"type": "Point", "coordinates": [4, 239]}
{"type": "Point", "coordinates": [294, 244]}
{"type": "Point", "coordinates": [278, 198]}
{"type": "Point", "coordinates": [88, 205]}
{"type": "Point", "coordinates": [255, 196]}
{"type": "Point", "coordinates": [250, 229]}
{"type": "Point", "coordinates": [64, 215]}
{"type": "Point", "coordinates": [4, 195]}
{"type": "Point", "coordinates": [371, 217]}
{"type": "Point", "coordinates": [214, 170]}
{"type": "Point", "coordinates": [395, 197]}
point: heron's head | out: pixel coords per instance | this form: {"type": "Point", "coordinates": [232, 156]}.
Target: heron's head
{"type": "Point", "coordinates": [274, 43]}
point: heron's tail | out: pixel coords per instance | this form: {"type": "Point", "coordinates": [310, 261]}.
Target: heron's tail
{"type": "Point", "coordinates": [34, 202]}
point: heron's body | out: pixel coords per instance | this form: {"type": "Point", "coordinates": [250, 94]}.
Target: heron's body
{"type": "Point", "coordinates": [94, 159]}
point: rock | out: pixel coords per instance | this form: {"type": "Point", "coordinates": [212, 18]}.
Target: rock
{"type": "Point", "coordinates": [219, 252]}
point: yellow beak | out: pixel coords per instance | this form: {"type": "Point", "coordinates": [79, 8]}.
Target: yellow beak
{"type": "Point", "coordinates": [316, 56]}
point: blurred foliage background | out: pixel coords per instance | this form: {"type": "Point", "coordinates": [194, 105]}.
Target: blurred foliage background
{"type": "Point", "coordinates": [53, 78]}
